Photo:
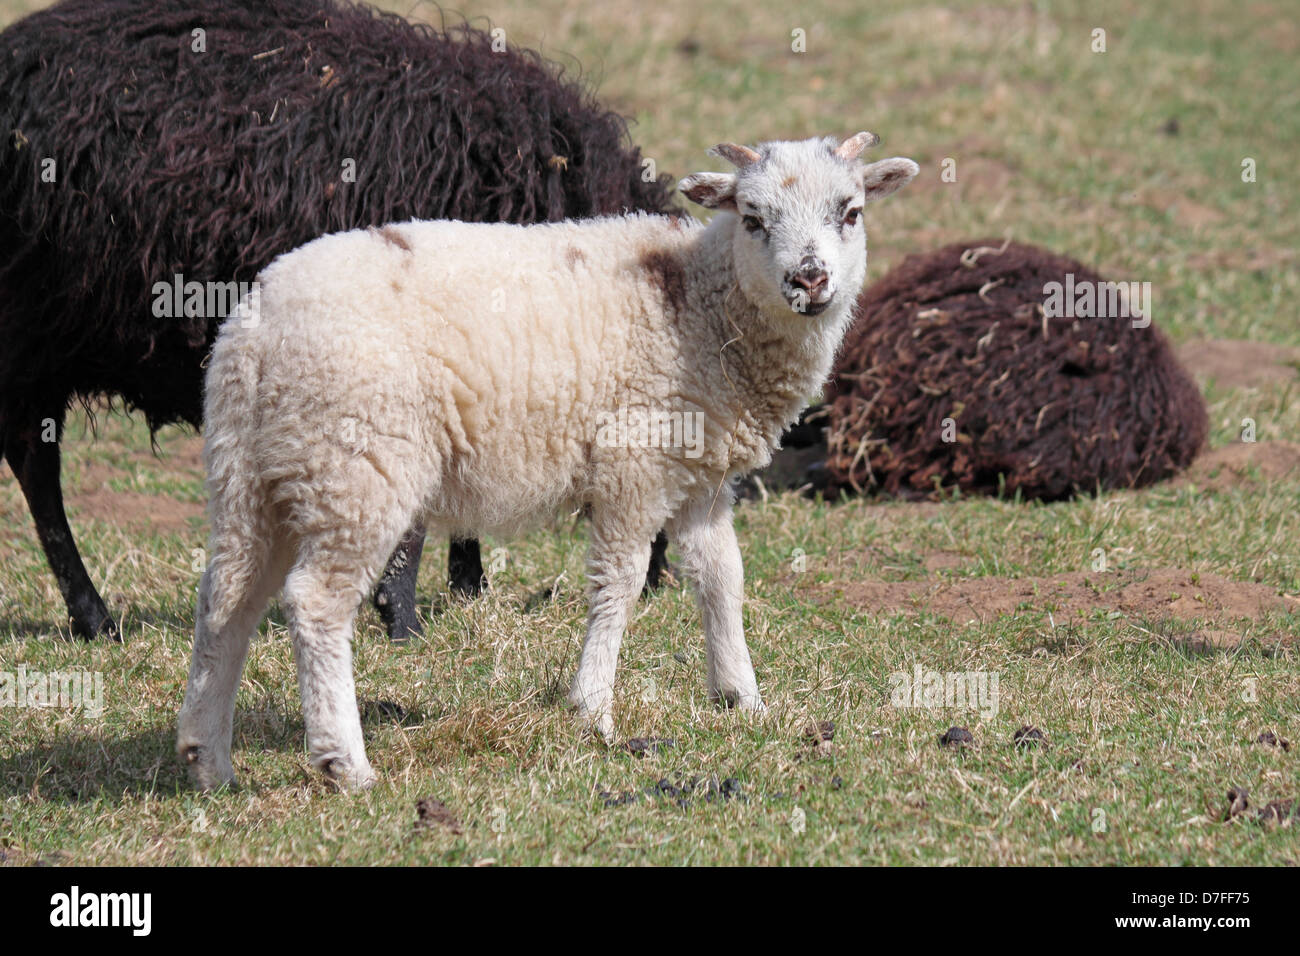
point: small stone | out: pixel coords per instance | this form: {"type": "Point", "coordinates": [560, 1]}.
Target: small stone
{"type": "Point", "coordinates": [666, 787]}
{"type": "Point", "coordinates": [1027, 735]}
{"type": "Point", "coordinates": [1280, 812]}
{"type": "Point", "coordinates": [956, 737]}
{"type": "Point", "coordinates": [640, 746]}
{"type": "Point", "coordinates": [1238, 802]}
{"type": "Point", "coordinates": [433, 813]}
{"type": "Point", "coordinates": [618, 799]}
{"type": "Point", "coordinates": [1270, 739]}
{"type": "Point", "coordinates": [819, 731]}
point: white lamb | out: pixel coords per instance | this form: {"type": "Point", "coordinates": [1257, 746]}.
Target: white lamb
{"type": "Point", "coordinates": [465, 375]}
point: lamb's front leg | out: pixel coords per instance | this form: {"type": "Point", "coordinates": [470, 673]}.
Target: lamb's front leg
{"type": "Point", "coordinates": [616, 568]}
{"type": "Point", "coordinates": [711, 559]}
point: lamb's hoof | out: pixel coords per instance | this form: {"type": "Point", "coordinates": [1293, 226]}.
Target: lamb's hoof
{"type": "Point", "coordinates": [598, 726]}
{"type": "Point", "coordinates": [749, 702]}
{"type": "Point", "coordinates": [207, 771]}
{"type": "Point", "coordinates": [349, 776]}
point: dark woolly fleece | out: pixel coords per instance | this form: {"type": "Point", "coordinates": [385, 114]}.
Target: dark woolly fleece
{"type": "Point", "coordinates": [1046, 407]}
{"type": "Point", "coordinates": [210, 164]}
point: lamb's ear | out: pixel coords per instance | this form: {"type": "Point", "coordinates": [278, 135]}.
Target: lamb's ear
{"type": "Point", "coordinates": [887, 176]}
{"type": "Point", "coordinates": [710, 190]}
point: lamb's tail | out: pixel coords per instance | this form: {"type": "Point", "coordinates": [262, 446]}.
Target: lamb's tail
{"type": "Point", "coordinates": [241, 535]}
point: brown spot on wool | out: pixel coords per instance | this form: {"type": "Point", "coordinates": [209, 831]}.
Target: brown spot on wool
{"type": "Point", "coordinates": [573, 256]}
{"type": "Point", "coordinates": [391, 234]}
{"type": "Point", "coordinates": [666, 272]}
{"type": "Point", "coordinates": [789, 181]}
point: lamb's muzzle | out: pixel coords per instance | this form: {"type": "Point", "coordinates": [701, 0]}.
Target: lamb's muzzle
{"type": "Point", "coordinates": [563, 398]}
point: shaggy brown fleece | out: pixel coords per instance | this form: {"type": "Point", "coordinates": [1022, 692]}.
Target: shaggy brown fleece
{"type": "Point", "coordinates": [1046, 407]}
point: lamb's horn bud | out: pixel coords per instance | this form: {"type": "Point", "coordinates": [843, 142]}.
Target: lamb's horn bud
{"type": "Point", "coordinates": [738, 156]}
{"type": "Point", "coordinates": [852, 147]}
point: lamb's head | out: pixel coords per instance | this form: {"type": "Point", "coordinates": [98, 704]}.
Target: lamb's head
{"type": "Point", "coordinates": [798, 237]}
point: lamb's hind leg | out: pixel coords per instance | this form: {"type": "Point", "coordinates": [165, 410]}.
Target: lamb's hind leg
{"type": "Point", "coordinates": [616, 568]}
{"type": "Point", "coordinates": [232, 596]}
{"type": "Point", "coordinates": [711, 558]}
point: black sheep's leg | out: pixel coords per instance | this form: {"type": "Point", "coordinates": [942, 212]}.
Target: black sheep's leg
{"type": "Point", "coordinates": [465, 568]}
{"type": "Point", "coordinates": [36, 465]}
{"type": "Point", "coordinates": [395, 593]}
{"type": "Point", "coordinates": [654, 575]}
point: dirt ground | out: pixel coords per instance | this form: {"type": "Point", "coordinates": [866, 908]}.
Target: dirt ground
{"type": "Point", "coordinates": [1153, 594]}
{"type": "Point", "coordinates": [1238, 363]}
{"type": "Point", "coordinates": [1241, 464]}
{"type": "Point", "coordinates": [94, 498]}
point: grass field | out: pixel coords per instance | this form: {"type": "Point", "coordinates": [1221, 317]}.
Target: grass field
{"type": "Point", "coordinates": [1151, 680]}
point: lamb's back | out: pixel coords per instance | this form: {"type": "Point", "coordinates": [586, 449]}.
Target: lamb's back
{"type": "Point", "coordinates": [487, 347]}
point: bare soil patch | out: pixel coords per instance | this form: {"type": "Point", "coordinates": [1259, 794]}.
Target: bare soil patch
{"type": "Point", "coordinates": [1253, 257]}
{"type": "Point", "coordinates": [1155, 593]}
{"type": "Point", "coordinates": [134, 509]}
{"type": "Point", "coordinates": [1187, 212]}
{"type": "Point", "coordinates": [1238, 363]}
{"type": "Point", "coordinates": [96, 499]}
{"type": "Point", "coordinates": [945, 560]}
{"type": "Point", "coordinates": [1244, 463]}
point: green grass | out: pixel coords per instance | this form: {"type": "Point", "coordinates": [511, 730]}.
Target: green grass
{"type": "Point", "coordinates": [1145, 734]}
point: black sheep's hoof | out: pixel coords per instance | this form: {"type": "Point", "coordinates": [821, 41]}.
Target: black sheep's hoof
{"type": "Point", "coordinates": [402, 627]}
{"type": "Point", "coordinates": [468, 585]}
{"type": "Point", "coordinates": [465, 574]}
{"type": "Point", "coordinates": [92, 622]}
{"type": "Point", "coordinates": [399, 617]}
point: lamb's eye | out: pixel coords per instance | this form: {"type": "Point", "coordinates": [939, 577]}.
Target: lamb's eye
{"type": "Point", "coordinates": [754, 224]}
{"type": "Point", "coordinates": [851, 217]}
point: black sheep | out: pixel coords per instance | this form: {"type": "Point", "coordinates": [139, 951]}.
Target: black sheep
{"type": "Point", "coordinates": [146, 140]}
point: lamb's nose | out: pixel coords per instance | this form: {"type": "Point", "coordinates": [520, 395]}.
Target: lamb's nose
{"type": "Point", "coordinates": [811, 275]}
